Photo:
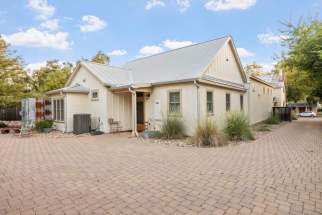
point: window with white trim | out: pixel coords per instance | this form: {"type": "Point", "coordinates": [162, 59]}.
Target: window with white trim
{"type": "Point", "coordinates": [58, 110]}
{"type": "Point", "coordinates": [174, 102]}
{"type": "Point", "coordinates": [210, 102]}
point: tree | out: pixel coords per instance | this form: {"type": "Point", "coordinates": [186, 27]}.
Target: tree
{"type": "Point", "coordinates": [304, 57]}
{"type": "Point", "coordinates": [14, 81]}
{"type": "Point", "coordinates": [253, 69]}
{"type": "Point", "coordinates": [53, 76]}
{"type": "Point", "coordinates": [101, 58]}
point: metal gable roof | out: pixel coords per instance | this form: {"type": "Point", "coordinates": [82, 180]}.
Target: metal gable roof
{"type": "Point", "coordinates": [76, 88]}
{"type": "Point", "coordinates": [185, 63]}
{"type": "Point", "coordinates": [179, 64]}
{"type": "Point", "coordinates": [109, 75]}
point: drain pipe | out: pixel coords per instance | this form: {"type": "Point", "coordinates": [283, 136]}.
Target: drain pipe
{"type": "Point", "coordinates": [134, 124]}
{"type": "Point", "coordinates": [195, 82]}
{"type": "Point", "coordinates": [249, 91]}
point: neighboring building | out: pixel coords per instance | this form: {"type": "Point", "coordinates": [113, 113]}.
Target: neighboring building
{"type": "Point", "coordinates": [279, 91]}
{"type": "Point", "coordinates": [197, 82]}
{"type": "Point", "coordinates": [260, 94]}
{"type": "Point", "coordinates": [300, 107]}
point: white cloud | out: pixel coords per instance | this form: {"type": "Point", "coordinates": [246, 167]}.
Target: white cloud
{"type": "Point", "coordinates": [41, 7]}
{"type": "Point", "coordinates": [165, 45]}
{"type": "Point", "coordinates": [117, 52]}
{"type": "Point", "coordinates": [244, 53]}
{"type": "Point", "coordinates": [92, 23]}
{"type": "Point", "coordinates": [183, 5]}
{"type": "Point", "coordinates": [174, 44]}
{"type": "Point", "coordinates": [30, 68]}
{"type": "Point", "coordinates": [33, 37]}
{"type": "Point", "coordinates": [52, 24]}
{"type": "Point", "coordinates": [270, 38]}
{"type": "Point", "coordinates": [154, 3]}
{"type": "Point", "coordinates": [35, 66]}
{"type": "Point", "coordinates": [219, 5]}
{"type": "Point", "coordinates": [150, 50]}
{"type": "Point", "coordinates": [267, 67]}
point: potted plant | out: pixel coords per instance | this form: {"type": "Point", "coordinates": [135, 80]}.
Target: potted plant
{"type": "Point", "coordinates": [44, 126]}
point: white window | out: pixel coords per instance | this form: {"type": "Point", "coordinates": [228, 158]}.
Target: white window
{"type": "Point", "coordinates": [94, 95]}
{"type": "Point", "coordinates": [58, 110]}
{"type": "Point", "coordinates": [174, 102]}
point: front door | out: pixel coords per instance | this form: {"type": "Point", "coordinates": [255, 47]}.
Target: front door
{"type": "Point", "coordinates": [140, 115]}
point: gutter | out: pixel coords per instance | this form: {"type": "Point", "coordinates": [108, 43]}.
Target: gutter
{"type": "Point", "coordinates": [261, 81]}
{"type": "Point", "coordinates": [153, 84]}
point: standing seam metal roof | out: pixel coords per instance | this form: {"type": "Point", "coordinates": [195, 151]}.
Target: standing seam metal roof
{"type": "Point", "coordinates": [179, 64]}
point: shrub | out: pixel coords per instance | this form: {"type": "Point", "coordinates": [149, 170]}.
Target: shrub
{"type": "Point", "coordinates": [152, 134]}
{"type": "Point", "coordinates": [172, 128]}
{"type": "Point", "coordinates": [293, 115]}
{"type": "Point", "coordinates": [3, 125]}
{"type": "Point", "coordinates": [273, 119]}
{"type": "Point", "coordinates": [237, 127]}
{"type": "Point", "coordinates": [43, 124]}
{"type": "Point", "coordinates": [207, 134]}
{"type": "Point", "coordinates": [263, 128]}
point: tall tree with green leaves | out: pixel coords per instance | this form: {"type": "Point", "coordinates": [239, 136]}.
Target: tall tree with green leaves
{"type": "Point", "coordinates": [303, 61]}
{"type": "Point", "coordinates": [53, 76]}
{"type": "Point", "coordinates": [14, 81]}
{"type": "Point", "coordinates": [101, 58]}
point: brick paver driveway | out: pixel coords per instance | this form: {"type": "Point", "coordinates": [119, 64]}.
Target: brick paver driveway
{"type": "Point", "coordinates": [281, 173]}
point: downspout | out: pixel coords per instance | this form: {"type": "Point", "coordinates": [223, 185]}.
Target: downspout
{"type": "Point", "coordinates": [198, 100]}
{"type": "Point", "coordinates": [249, 91]}
{"type": "Point", "coordinates": [65, 112]}
{"type": "Point", "coordinates": [134, 124]}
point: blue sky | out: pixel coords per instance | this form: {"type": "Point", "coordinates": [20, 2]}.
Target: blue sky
{"type": "Point", "coordinates": [41, 30]}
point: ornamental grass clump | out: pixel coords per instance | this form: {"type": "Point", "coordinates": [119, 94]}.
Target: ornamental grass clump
{"type": "Point", "coordinates": [207, 134]}
{"type": "Point", "coordinates": [172, 128]}
{"type": "Point", "coordinates": [274, 119]}
{"type": "Point", "coordinates": [237, 127]}
{"type": "Point", "coordinates": [263, 128]}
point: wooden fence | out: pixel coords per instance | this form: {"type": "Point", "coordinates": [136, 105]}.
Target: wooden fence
{"type": "Point", "coordinates": [10, 114]}
{"type": "Point", "coordinates": [285, 113]}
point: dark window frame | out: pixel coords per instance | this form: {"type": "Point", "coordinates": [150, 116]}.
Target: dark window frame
{"type": "Point", "coordinates": [241, 100]}
{"type": "Point", "coordinates": [228, 101]}
{"type": "Point", "coordinates": [210, 102]}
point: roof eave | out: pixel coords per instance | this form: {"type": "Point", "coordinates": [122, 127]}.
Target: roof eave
{"type": "Point", "coordinates": [224, 84]}
{"type": "Point", "coordinates": [261, 81]}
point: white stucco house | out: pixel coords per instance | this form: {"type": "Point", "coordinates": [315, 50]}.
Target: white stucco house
{"type": "Point", "coordinates": [260, 98]}
{"type": "Point", "coordinates": [279, 91]}
{"type": "Point", "coordinates": [200, 81]}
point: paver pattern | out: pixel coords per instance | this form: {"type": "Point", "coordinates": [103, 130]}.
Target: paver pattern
{"type": "Point", "coordinates": [280, 173]}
